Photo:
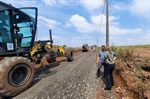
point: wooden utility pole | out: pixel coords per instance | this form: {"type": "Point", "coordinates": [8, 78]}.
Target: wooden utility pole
{"type": "Point", "coordinates": [107, 24]}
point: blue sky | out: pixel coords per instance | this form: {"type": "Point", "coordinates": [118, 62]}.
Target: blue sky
{"type": "Point", "coordinates": [77, 22]}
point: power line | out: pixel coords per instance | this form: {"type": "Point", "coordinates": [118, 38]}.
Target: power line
{"type": "Point", "coordinates": [102, 11]}
{"type": "Point", "coordinates": [102, 14]}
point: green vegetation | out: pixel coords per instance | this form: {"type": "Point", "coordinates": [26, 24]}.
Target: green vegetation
{"type": "Point", "coordinates": [139, 67]}
{"type": "Point", "coordinates": [143, 87]}
{"type": "Point", "coordinates": [135, 46]}
{"type": "Point", "coordinates": [126, 52]}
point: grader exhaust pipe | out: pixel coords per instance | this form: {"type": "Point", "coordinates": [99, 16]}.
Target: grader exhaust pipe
{"type": "Point", "coordinates": [51, 40]}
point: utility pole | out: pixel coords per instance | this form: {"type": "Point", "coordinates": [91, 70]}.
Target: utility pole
{"type": "Point", "coordinates": [107, 24]}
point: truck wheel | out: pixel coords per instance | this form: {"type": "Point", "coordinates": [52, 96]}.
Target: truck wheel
{"type": "Point", "coordinates": [69, 55]}
{"type": "Point", "coordinates": [16, 75]}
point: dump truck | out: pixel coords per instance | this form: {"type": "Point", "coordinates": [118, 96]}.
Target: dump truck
{"type": "Point", "coordinates": [19, 50]}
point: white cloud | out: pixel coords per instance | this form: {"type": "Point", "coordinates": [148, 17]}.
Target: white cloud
{"type": "Point", "coordinates": [78, 41]}
{"type": "Point", "coordinates": [54, 37]}
{"type": "Point", "coordinates": [64, 2]}
{"type": "Point", "coordinates": [47, 22]}
{"type": "Point", "coordinates": [44, 38]}
{"type": "Point", "coordinates": [21, 3]}
{"type": "Point", "coordinates": [97, 20]}
{"type": "Point", "coordinates": [81, 23]}
{"type": "Point", "coordinates": [141, 8]}
{"type": "Point", "coordinates": [116, 7]}
{"type": "Point", "coordinates": [136, 7]}
{"type": "Point", "coordinates": [50, 2]}
{"type": "Point", "coordinates": [91, 4]}
{"type": "Point", "coordinates": [146, 37]}
{"type": "Point", "coordinates": [57, 40]}
{"type": "Point", "coordinates": [68, 25]}
{"type": "Point", "coordinates": [115, 30]}
{"type": "Point", "coordinates": [101, 20]}
{"type": "Point", "coordinates": [56, 2]}
{"type": "Point", "coordinates": [119, 31]}
{"type": "Point", "coordinates": [143, 38]}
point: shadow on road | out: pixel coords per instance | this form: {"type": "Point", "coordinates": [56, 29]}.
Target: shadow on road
{"type": "Point", "coordinates": [44, 71]}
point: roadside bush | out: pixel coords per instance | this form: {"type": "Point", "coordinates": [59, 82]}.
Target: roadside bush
{"type": "Point", "coordinates": [120, 53]}
{"type": "Point", "coordinates": [124, 53]}
{"type": "Point", "coordinates": [113, 48]}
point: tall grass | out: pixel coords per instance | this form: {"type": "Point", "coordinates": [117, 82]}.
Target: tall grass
{"type": "Point", "coordinates": [125, 53]}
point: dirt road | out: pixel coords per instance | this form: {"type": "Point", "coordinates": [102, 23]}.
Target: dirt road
{"type": "Point", "coordinates": [68, 80]}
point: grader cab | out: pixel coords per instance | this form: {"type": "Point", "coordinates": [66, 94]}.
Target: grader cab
{"type": "Point", "coordinates": [19, 50]}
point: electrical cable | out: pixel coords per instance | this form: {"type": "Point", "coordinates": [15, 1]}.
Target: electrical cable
{"type": "Point", "coordinates": [102, 11]}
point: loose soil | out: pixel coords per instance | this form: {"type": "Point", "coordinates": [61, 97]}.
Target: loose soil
{"type": "Point", "coordinates": [132, 78]}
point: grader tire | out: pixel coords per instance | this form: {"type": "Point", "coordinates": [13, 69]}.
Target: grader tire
{"type": "Point", "coordinates": [16, 75]}
{"type": "Point", "coordinates": [69, 55]}
{"type": "Point", "coordinates": [47, 58]}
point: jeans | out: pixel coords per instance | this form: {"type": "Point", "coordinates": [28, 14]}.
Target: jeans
{"type": "Point", "coordinates": [109, 75]}
{"type": "Point", "coordinates": [99, 68]}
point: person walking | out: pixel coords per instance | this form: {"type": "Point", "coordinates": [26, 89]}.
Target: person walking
{"type": "Point", "coordinates": [100, 60]}
{"type": "Point", "coordinates": [110, 57]}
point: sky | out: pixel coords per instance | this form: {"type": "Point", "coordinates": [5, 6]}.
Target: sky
{"type": "Point", "coordinates": [77, 22]}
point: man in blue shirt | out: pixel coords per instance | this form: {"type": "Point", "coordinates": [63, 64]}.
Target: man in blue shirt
{"type": "Point", "coordinates": [100, 60]}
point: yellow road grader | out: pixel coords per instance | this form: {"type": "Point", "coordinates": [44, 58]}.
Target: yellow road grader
{"type": "Point", "coordinates": [19, 50]}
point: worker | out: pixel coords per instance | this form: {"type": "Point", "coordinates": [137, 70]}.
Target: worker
{"type": "Point", "coordinates": [110, 57]}
{"type": "Point", "coordinates": [100, 60]}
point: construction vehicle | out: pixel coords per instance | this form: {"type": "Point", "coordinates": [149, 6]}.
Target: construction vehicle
{"type": "Point", "coordinates": [42, 50]}
{"type": "Point", "coordinates": [59, 49]}
{"type": "Point", "coordinates": [19, 50]}
{"type": "Point", "coordinates": [84, 48]}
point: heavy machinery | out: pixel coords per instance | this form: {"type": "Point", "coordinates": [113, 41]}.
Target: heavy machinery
{"type": "Point", "coordinates": [19, 50]}
{"type": "Point", "coordinates": [42, 50]}
{"type": "Point", "coordinates": [84, 48]}
{"type": "Point", "coordinates": [59, 49]}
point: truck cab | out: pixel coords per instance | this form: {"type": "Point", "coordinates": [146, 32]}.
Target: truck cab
{"type": "Point", "coordinates": [17, 29]}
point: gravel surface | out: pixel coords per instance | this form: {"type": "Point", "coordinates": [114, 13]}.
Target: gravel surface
{"type": "Point", "coordinates": [69, 80]}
